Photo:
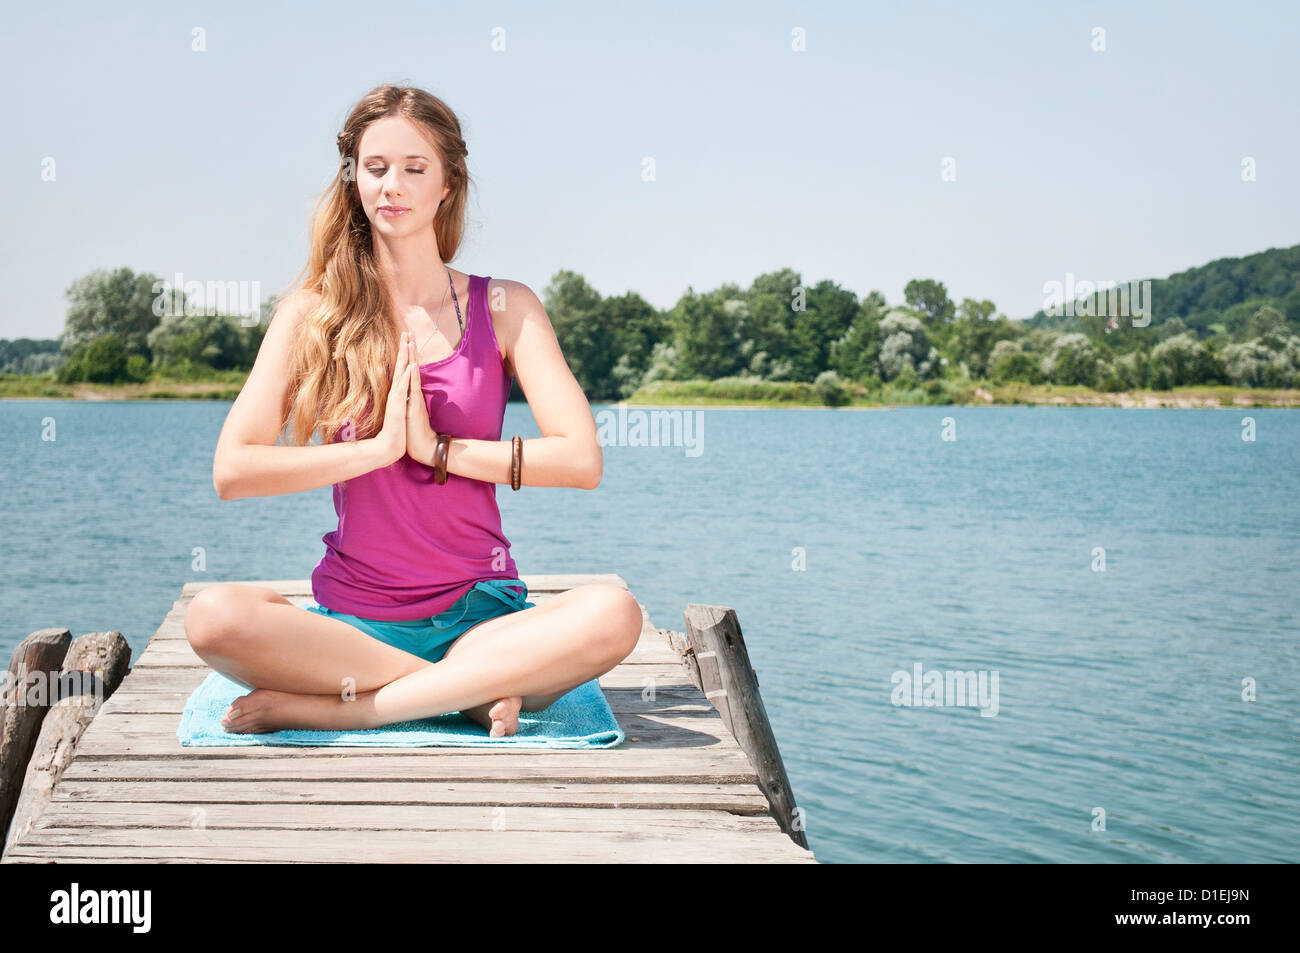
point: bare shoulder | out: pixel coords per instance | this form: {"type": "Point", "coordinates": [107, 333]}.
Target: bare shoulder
{"type": "Point", "coordinates": [511, 299]}
{"type": "Point", "coordinates": [511, 303]}
{"type": "Point", "coordinates": [295, 305]}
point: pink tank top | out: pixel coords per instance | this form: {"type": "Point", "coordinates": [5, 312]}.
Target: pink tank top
{"type": "Point", "coordinates": [406, 548]}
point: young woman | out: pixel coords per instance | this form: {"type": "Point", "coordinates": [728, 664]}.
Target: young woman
{"type": "Point", "coordinates": [419, 610]}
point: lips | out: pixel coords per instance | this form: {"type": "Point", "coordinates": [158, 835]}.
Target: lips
{"type": "Point", "coordinates": [392, 211]}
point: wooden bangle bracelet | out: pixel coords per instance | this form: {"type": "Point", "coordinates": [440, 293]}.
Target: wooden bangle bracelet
{"type": "Point", "coordinates": [440, 458]}
{"type": "Point", "coordinates": [516, 462]}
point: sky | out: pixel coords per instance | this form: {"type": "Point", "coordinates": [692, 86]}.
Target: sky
{"type": "Point", "coordinates": [1106, 164]}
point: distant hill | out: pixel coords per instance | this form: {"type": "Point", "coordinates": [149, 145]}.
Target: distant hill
{"type": "Point", "coordinates": [1217, 298]}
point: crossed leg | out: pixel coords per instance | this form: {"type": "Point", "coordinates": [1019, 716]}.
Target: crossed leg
{"type": "Point", "coordinates": [311, 671]}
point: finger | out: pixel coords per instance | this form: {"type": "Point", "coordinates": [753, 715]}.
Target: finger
{"type": "Point", "coordinates": [399, 379]}
{"type": "Point", "coordinates": [403, 355]}
{"type": "Point", "coordinates": [400, 393]}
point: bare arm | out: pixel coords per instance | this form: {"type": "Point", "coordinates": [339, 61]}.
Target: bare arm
{"type": "Point", "coordinates": [248, 462]}
{"type": "Point", "coordinates": [568, 452]}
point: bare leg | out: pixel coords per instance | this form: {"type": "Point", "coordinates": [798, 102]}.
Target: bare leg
{"type": "Point", "coordinates": [537, 653]}
{"type": "Point", "coordinates": [256, 636]}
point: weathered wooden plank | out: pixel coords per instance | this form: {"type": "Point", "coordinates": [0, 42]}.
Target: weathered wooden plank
{"type": "Point", "coordinates": [645, 765]}
{"type": "Point", "coordinates": [505, 846]}
{"type": "Point", "coordinates": [718, 647]}
{"type": "Point", "coordinates": [129, 815]}
{"type": "Point", "coordinates": [113, 855]}
{"type": "Point", "coordinates": [738, 798]}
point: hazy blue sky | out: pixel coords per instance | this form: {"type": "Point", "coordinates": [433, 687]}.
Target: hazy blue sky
{"type": "Point", "coordinates": [1114, 165]}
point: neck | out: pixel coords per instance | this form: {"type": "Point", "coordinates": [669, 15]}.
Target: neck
{"type": "Point", "coordinates": [412, 267]}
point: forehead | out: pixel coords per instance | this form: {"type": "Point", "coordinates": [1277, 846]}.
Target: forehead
{"type": "Point", "coordinates": [395, 136]}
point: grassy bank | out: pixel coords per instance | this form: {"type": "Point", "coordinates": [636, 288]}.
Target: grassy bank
{"type": "Point", "coordinates": [225, 385]}
{"type": "Point", "coordinates": [222, 385]}
{"type": "Point", "coordinates": [948, 392]}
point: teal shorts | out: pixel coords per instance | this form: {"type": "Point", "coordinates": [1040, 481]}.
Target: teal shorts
{"type": "Point", "coordinates": [430, 638]}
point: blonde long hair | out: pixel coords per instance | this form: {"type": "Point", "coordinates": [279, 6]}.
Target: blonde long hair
{"type": "Point", "coordinates": [342, 355]}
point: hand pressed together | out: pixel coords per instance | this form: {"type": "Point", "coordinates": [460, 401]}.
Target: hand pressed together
{"type": "Point", "coordinates": [420, 437]}
{"type": "Point", "coordinates": [406, 429]}
{"type": "Point", "coordinates": [392, 435]}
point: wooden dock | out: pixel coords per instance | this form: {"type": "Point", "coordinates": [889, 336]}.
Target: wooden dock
{"type": "Point", "coordinates": [680, 788]}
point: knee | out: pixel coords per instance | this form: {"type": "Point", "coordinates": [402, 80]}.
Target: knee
{"type": "Point", "coordinates": [620, 620]}
{"type": "Point", "coordinates": [211, 619]}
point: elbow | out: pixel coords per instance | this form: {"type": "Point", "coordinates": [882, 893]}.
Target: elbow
{"type": "Point", "coordinates": [222, 482]}
{"type": "Point", "coordinates": [591, 474]}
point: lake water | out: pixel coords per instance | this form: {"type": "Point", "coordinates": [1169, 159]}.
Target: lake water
{"type": "Point", "coordinates": [1129, 575]}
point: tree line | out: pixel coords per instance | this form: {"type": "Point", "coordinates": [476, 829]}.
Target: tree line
{"type": "Point", "coordinates": [1233, 321]}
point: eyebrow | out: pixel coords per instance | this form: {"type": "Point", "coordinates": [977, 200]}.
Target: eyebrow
{"type": "Point", "coordinates": [426, 158]}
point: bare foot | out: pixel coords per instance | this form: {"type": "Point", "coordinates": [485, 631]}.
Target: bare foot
{"type": "Point", "coordinates": [264, 709]}
{"type": "Point", "coordinates": [505, 716]}
{"type": "Point", "coordinates": [500, 717]}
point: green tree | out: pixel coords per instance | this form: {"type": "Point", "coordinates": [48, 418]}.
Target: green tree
{"type": "Point", "coordinates": [706, 338]}
{"type": "Point", "coordinates": [930, 297]}
{"type": "Point", "coordinates": [1267, 322]}
{"type": "Point", "coordinates": [1015, 366]}
{"type": "Point", "coordinates": [828, 314]}
{"type": "Point", "coordinates": [29, 355]}
{"type": "Point", "coordinates": [636, 327]}
{"type": "Point", "coordinates": [216, 341]}
{"type": "Point", "coordinates": [971, 338]}
{"type": "Point", "coordinates": [118, 302]}
{"type": "Point", "coordinates": [103, 361]}
{"type": "Point", "coordinates": [766, 318]}
{"type": "Point", "coordinates": [854, 356]}
{"type": "Point", "coordinates": [583, 330]}
{"type": "Point", "coordinates": [1182, 360]}
{"type": "Point", "coordinates": [974, 311]}
{"type": "Point", "coordinates": [1245, 362]}
{"type": "Point", "coordinates": [831, 389]}
{"type": "Point", "coordinates": [1072, 360]}
{"type": "Point", "coordinates": [905, 346]}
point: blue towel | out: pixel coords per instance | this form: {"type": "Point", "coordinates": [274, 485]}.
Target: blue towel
{"type": "Point", "coordinates": [579, 719]}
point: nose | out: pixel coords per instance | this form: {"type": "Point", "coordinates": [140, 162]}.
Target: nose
{"type": "Point", "coordinates": [390, 184]}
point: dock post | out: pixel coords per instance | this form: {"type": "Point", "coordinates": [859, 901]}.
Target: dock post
{"type": "Point", "coordinates": [92, 669]}
{"type": "Point", "coordinates": [36, 658]}
{"type": "Point", "coordinates": [717, 651]}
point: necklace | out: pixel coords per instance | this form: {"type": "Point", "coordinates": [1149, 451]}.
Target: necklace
{"type": "Point", "coordinates": [459, 320]}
